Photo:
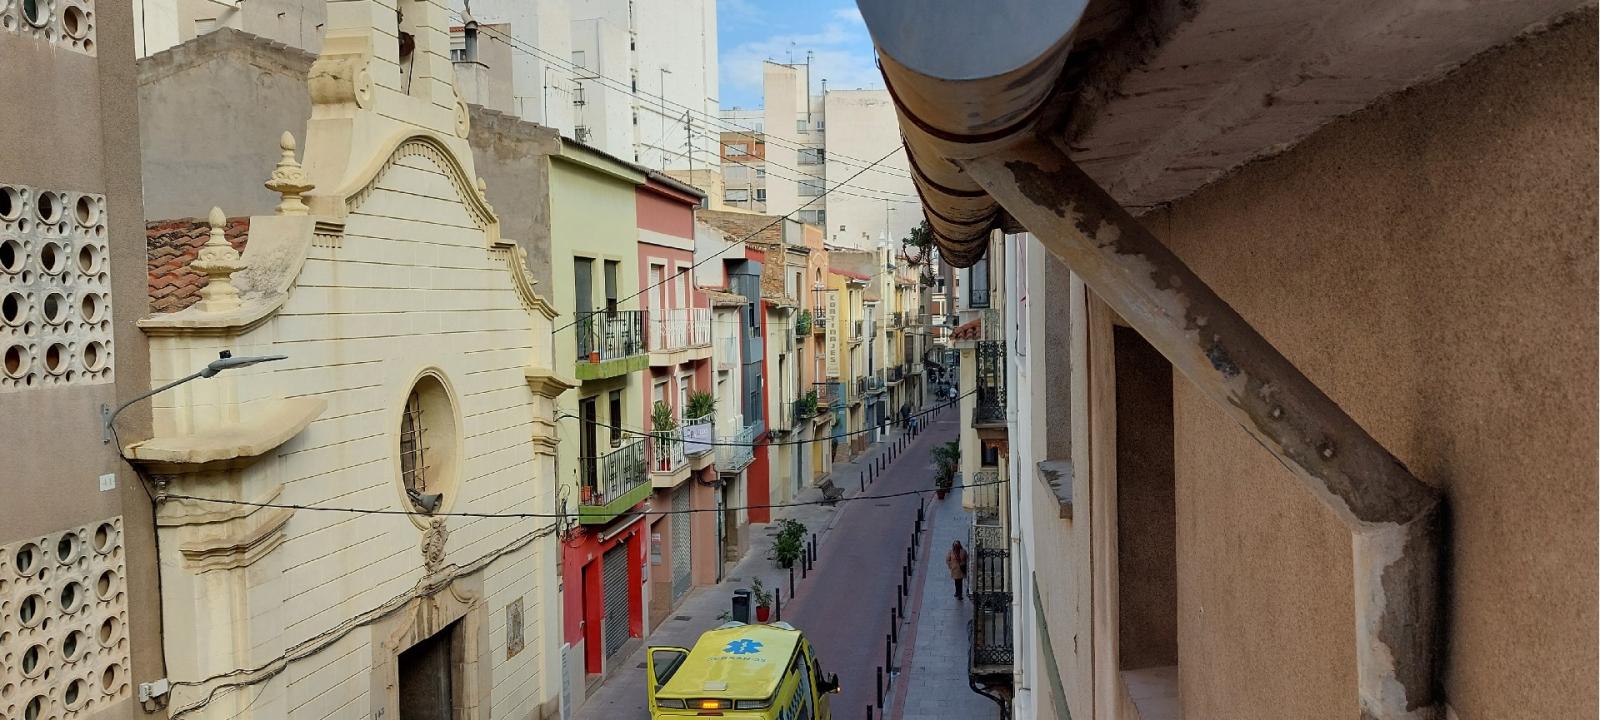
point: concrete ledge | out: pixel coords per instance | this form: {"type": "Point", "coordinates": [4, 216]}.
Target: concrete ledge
{"type": "Point", "coordinates": [1057, 475]}
{"type": "Point", "coordinates": [234, 445]}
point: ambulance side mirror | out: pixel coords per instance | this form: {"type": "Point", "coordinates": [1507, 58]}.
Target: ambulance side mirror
{"type": "Point", "coordinates": [831, 684]}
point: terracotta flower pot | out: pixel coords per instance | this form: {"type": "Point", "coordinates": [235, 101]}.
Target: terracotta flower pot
{"type": "Point", "coordinates": [941, 492]}
{"type": "Point", "coordinates": [594, 356]}
{"type": "Point", "coordinates": [762, 613]}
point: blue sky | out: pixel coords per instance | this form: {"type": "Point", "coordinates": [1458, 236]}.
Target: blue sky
{"type": "Point", "coordinates": [750, 31]}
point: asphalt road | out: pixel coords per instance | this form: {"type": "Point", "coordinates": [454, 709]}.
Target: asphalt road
{"type": "Point", "coordinates": [845, 606]}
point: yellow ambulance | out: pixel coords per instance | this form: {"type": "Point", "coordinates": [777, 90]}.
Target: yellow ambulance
{"type": "Point", "coordinates": [739, 671]}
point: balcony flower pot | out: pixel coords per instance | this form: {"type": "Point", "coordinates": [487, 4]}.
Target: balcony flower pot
{"type": "Point", "coordinates": [941, 492]}
{"type": "Point", "coordinates": [588, 495]}
{"type": "Point", "coordinates": [594, 356]}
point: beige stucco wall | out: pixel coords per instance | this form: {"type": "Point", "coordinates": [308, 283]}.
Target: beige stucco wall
{"type": "Point", "coordinates": [1430, 263]}
{"type": "Point", "coordinates": [68, 135]}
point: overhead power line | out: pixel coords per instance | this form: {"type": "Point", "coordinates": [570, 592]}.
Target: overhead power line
{"type": "Point", "coordinates": [579, 72]}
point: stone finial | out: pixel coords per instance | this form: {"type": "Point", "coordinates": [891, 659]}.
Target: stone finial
{"type": "Point", "coordinates": [289, 180]}
{"type": "Point", "coordinates": [218, 261]}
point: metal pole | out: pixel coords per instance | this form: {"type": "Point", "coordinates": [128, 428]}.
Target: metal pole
{"type": "Point", "coordinates": [894, 625]}
{"type": "Point", "coordinates": [880, 687]}
{"type": "Point", "coordinates": [791, 580]}
{"type": "Point", "coordinates": [777, 603]}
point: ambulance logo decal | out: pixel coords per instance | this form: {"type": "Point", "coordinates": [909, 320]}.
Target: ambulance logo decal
{"type": "Point", "coordinates": [743, 647]}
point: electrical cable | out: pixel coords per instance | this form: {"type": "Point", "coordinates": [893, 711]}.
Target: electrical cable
{"type": "Point", "coordinates": [770, 443]}
{"type": "Point", "coordinates": [580, 73]}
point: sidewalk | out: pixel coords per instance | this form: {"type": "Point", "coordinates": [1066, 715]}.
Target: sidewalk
{"type": "Point", "coordinates": [932, 684]}
{"type": "Point", "coordinates": [622, 695]}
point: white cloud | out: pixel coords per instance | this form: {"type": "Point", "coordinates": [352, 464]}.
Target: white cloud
{"type": "Point", "coordinates": [841, 54]}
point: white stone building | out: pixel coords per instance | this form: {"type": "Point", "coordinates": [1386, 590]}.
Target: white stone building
{"type": "Point", "coordinates": [821, 142]}
{"type": "Point", "coordinates": [417, 388]}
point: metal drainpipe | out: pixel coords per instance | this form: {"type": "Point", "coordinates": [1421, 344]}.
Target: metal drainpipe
{"type": "Point", "coordinates": [968, 81]}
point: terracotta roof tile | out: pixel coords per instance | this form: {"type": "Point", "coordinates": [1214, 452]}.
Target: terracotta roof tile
{"type": "Point", "coordinates": [170, 246]}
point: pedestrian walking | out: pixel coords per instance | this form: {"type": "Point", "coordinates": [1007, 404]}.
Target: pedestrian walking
{"type": "Point", "coordinates": [956, 559]}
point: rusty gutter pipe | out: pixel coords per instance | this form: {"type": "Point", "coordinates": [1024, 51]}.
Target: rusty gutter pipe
{"type": "Point", "coordinates": [1393, 517]}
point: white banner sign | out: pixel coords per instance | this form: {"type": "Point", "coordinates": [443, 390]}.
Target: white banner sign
{"type": "Point", "coordinates": [833, 333]}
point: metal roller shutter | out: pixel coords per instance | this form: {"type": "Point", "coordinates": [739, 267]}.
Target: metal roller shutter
{"type": "Point", "coordinates": [614, 579]}
{"type": "Point", "coordinates": [682, 577]}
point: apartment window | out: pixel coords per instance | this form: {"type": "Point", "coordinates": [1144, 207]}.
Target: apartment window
{"type": "Point", "coordinates": [810, 217]}
{"type": "Point", "coordinates": [820, 126]}
{"type": "Point", "coordinates": [737, 196]}
{"type": "Point", "coordinates": [800, 126]}
{"type": "Point", "coordinates": [611, 285]}
{"type": "Point", "coordinates": [978, 287]}
{"type": "Point", "coordinates": [738, 148]}
{"type": "Point", "coordinates": [811, 156]}
{"type": "Point", "coordinates": [1146, 512]}
{"type": "Point", "coordinates": [633, 81]}
{"type": "Point", "coordinates": [810, 188]}
{"type": "Point", "coordinates": [615, 419]}
{"type": "Point", "coordinates": [761, 194]}
{"type": "Point", "coordinates": [579, 59]}
{"type": "Point", "coordinates": [736, 173]}
{"type": "Point", "coordinates": [761, 172]}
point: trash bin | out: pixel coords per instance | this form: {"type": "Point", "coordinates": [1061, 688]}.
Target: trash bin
{"type": "Point", "coordinates": [741, 605]}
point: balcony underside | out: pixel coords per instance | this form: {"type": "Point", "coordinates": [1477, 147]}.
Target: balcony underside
{"type": "Point", "coordinates": [702, 460]}
{"type": "Point", "coordinates": [602, 514]}
{"type": "Point", "coordinates": [679, 356]}
{"type": "Point", "coordinates": [669, 479]}
{"type": "Point", "coordinates": [614, 367]}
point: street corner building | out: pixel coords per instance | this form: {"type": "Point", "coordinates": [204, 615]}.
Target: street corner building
{"type": "Point", "coordinates": [417, 396]}
{"type": "Point", "coordinates": [1277, 347]}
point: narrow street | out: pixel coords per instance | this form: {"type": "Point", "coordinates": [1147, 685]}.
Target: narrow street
{"type": "Point", "coordinates": [843, 604]}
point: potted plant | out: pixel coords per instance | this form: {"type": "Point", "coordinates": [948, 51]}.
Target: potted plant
{"type": "Point", "coordinates": [947, 459]}
{"type": "Point", "coordinates": [762, 598]}
{"type": "Point", "coordinates": [802, 323]}
{"type": "Point", "coordinates": [701, 404]}
{"type": "Point", "coordinates": [788, 545]}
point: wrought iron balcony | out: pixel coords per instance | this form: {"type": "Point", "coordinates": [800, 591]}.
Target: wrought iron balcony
{"type": "Point", "coordinates": [983, 492]}
{"type": "Point", "coordinates": [667, 451]}
{"type": "Point", "coordinates": [737, 451]}
{"type": "Point", "coordinates": [991, 387]}
{"type": "Point", "coordinates": [806, 407]}
{"type": "Point", "coordinates": [989, 572]}
{"type": "Point", "coordinates": [612, 483]}
{"type": "Point", "coordinates": [896, 374]}
{"type": "Point", "coordinates": [698, 434]}
{"type": "Point", "coordinates": [829, 394]}
{"type": "Point", "coordinates": [678, 328]}
{"type": "Point", "coordinates": [819, 324]}
{"type": "Point", "coordinates": [608, 343]}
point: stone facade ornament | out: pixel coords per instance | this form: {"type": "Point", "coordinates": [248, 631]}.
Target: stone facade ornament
{"type": "Point", "coordinates": [289, 180]}
{"type": "Point", "coordinates": [339, 80]}
{"type": "Point", "coordinates": [433, 540]}
{"type": "Point", "coordinates": [218, 261]}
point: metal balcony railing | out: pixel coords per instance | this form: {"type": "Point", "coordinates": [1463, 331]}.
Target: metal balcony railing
{"type": "Point", "coordinates": [863, 386]}
{"type": "Point", "coordinates": [698, 434]}
{"type": "Point", "coordinates": [666, 450]}
{"type": "Point", "coordinates": [819, 325]}
{"type": "Point", "coordinates": [991, 386]}
{"type": "Point", "coordinates": [989, 573]}
{"type": "Point", "coordinates": [806, 408]}
{"type": "Point", "coordinates": [678, 328]}
{"type": "Point", "coordinates": [738, 451]}
{"type": "Point", "coordinates": [609, 334]}
{"type": "Point", "coordinates": [983, 491]}
{"type": "Point", "coordinates": [829, 394]}
{"type": "Point", "coordinates": [896, 373]}
{"type": "Point", "coordinates": [613, 482]}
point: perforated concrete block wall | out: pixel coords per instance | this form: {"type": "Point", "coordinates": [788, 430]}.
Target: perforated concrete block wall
{"type": "Point", "coordinates": [63, 620]}
{"type": "Point", "coordinates": [63, 23]}
{"type": "Point", "coordinates": [55, 288]}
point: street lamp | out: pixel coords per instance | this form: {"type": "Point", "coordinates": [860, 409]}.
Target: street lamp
{"type": "Point", "coordinates": [225, 361]}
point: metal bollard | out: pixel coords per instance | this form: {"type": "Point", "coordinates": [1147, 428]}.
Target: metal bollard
{"type": "Point", "coordinates": [805, 567]}
{"type": "Point", "coordinates": [888, 654]}
{"type": "Point", "coordinates": [919, 510]}
{"type": "Point", "coordinates": [791, 580]}
{"type": "Point", "coordinates": [869, 711]}
{"type": "Point", "coordinates": [900, 598]}
{"type": "Point", "coordinates": [813, 544]}
{"type": "Point", "coordinates": [777, 603]}
{"type": "Point", "coordinates": [862, 479]}
{"type": "Point", "coordinates": [880, 687]}
{"type": "Point", "coordinates": [894, 625]}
